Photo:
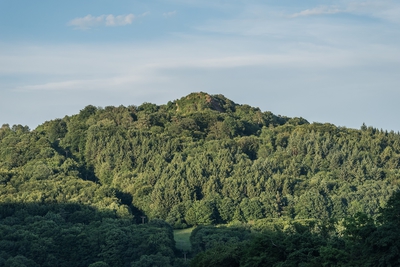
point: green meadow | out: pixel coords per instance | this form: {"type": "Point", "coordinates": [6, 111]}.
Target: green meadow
{"type": "Point", "coordinates": [182, 239]}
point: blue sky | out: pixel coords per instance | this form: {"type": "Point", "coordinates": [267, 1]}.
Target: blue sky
{"type": "Point", "coordinates": [326, 61]}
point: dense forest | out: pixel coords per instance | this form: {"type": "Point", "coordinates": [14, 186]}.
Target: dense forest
{"type": "Point", "coordinates": [107, 186]}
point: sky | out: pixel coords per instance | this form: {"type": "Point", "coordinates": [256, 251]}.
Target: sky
{"type": "Point", "coordinates": [326, 61]}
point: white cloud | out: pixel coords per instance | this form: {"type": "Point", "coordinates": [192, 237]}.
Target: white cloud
{"type": "Point", "coordinates": [322, 10]}
{"type": "Point", "coordinates": [86, 22]}
{"type": "Point", "coordinates": [90, 21]}
{"type": "Point", "coordinates": [385, 9]}
{"type": "Point", "coordinates": [169, 14]}
{"type": "Point", "coordinates": [87, 67]}
{"type": "Point", "coordinates": [120, 20]}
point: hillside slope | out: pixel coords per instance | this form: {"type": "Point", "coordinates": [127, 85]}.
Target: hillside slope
{"type": "Point", "coordinates": [202, 159]}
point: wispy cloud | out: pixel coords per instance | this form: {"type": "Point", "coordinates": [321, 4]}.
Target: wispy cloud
{"type": "Point", "coordinates": [120, 20]}
{"type": "Point", "coordinates": [90, 21]}
{"type": "Point", "coordinates": [169, 14]}
{"type": "Point", "coordinates": [385, 10]}
{"type": "Point", "coordinates": [322, 10]}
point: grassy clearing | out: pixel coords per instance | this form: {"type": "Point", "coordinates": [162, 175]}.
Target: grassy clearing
{"type": "Point", "coordinates": [182, 239]}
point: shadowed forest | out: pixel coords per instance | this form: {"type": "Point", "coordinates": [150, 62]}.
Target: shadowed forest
{"type": "Point", "coordinates": [260, 189]}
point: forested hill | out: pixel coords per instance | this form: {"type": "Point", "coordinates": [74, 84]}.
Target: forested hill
{"type": "Point", "coordinates": [74, 191]}
{"type": "Point", "coordinates": [202, 159]}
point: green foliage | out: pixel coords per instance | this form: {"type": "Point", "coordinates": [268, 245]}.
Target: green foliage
{"type": "Point", "coordinates": [224, 256]}
{"type": "Point", "coordinates": [99, 264]}
{"type": "Point", "coordinates": [61, 235]}
{"type": "Point", "coordinates": [204, 160]}
{"type": "Point", "coordinates": [201, 213]}
{"type": "Point", "coordinates": [152, 260]}
{"type": "Point", "coordinates": [207, 237]}
{"type": "Point", "coordinates": [362, 243]}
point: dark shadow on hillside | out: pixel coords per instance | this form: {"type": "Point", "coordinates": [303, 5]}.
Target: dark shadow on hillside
{"type": "Point", "coordinates": [68, 212]}
{"type": "Point", "coordinates": [54, 234]}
